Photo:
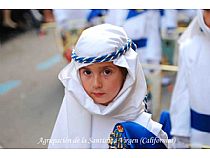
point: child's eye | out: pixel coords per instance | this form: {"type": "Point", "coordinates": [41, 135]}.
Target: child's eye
{"type": "Point", "coordinates": [87, 72]}
{"type": "Point", "coordinates": [107, 72]}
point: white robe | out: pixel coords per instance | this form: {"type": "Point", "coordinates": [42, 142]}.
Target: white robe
{"type": "Point", "coordinates": [116, 16]}
{"type": "Point", "coordinates": [192, 88]}
{"type": "Point", "coordinates": [146, 25]}
{"type": "Point", "coordinates": [69, 19]}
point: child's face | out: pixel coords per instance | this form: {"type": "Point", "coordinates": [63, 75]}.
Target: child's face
{"type": "Point", "coordinates": [102, 81]}
{"type": "Point", "coordinates": [206, 16]}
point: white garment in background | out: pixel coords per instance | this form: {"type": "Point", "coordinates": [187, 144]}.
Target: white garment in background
{"type": "Point", "coordinates": [116, 16]}
{"type": "Point", "coordinates": [146, 25]}
{"type": "Point", "coordinates": [169, 19]}
{"type": "Point", "coordinates": [192, 88]}
{"type": "Point", "coordinates": [68, 19]}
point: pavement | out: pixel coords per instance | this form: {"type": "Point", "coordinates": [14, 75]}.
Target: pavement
{"type": "Point", "coordinates": [30, 92]}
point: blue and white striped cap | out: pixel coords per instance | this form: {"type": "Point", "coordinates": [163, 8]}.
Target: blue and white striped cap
{"type": "Point", "coordinates": [107, 57]}
{"type": "Point", "coordinates": [101, 43]}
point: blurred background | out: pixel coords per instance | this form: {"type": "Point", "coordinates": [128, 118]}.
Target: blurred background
{"type": "Point", "coordinates": [36, 44]}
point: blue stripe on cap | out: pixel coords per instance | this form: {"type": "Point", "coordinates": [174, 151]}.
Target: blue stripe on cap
{"type": "Point", "coordinates": [107, 57]}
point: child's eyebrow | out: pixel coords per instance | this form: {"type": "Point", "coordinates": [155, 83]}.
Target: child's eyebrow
{"type": "Point", "coordinates": [84, 69]}
{"type": "Point", "coordinates": [100, 67]}
{"type": "Point", "coordinates": [107, 67]}
{"type": "Point", "coordinates": [110, 66]}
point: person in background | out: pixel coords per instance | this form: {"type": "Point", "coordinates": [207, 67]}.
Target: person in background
{"type": "Point", "coordinates": [7, 19]}
{"type": "Point", "coordinates": [189, 110]}
{"type": "Point", "coordinates": [69, 24]}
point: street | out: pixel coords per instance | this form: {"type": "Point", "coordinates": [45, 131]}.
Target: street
{"type": "Point", "coordinates": [30, 92]}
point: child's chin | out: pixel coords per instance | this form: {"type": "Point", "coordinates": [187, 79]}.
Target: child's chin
{"type": "Point", "coordinates": [102, 103]}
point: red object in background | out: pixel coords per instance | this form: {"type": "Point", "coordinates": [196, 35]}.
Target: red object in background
{"type": "Point", "coordinates": [67, 54]}
{"type": "Point", "coordinates": [48, 16]}
{"type": "Point", "coordinates": [170, 88]}
{"type": "Point", "coordinates": [41, 33]}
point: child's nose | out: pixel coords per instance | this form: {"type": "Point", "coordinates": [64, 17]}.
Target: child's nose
{"type": "Point", "coordinates": [97, 82]}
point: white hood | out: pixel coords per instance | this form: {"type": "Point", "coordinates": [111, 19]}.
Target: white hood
{"type": "Point", "coordinates": [93, 42]}
{"type": "Point", "coordinates": [194, 28]}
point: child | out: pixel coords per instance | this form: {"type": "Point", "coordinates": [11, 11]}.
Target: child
{"type": "Point", "coordinates": [190, 112]}
{"type": "Point", "coordinates": [104, 85]}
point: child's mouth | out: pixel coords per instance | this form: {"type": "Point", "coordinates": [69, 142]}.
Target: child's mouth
{"type": "Point", "coordinates": [98, 94]}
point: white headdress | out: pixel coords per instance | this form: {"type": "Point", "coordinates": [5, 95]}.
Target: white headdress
{"type": "Point", "coordinates": [194, 27]}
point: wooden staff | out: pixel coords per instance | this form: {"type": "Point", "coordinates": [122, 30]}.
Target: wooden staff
{"type": "Point", "coordinates": [160, 67]}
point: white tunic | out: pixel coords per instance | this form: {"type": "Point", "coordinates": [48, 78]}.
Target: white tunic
{"type": "Point", "coordinates": [146, 25]}
{"type": "Point", "coordinates": [116, 16]}
{"type": "Point", "coordinates": [192, 88]}
{"type": "Point", "coordinates": [69, 19]}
